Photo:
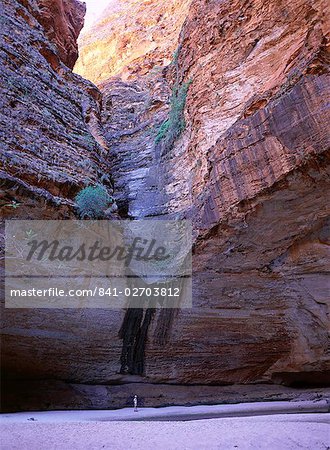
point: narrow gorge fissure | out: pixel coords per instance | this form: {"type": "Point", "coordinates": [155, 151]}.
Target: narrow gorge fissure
{"type": "Point", "coordinates": [132, 115]}
{"type": "Point", "coordinates": [131, 110]}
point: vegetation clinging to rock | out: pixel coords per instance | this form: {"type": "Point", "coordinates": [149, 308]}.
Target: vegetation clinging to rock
{"type": "Point", "coordinates": [92, 202]}
{"type": "Point", "coordinates": [172, 128]}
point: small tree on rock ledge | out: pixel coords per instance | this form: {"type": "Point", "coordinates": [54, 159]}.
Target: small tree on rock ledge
{"type": "Point", "coordinates": [92, 202]}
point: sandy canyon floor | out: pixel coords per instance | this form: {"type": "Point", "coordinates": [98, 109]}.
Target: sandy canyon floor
{"type": "Point", "coordinates": [116, 430]}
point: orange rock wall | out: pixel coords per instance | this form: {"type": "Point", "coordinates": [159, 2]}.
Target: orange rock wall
{"type": "Point", "coordinates": [251, 170]}
{"type": "Point", "coordinates": [132, 38]}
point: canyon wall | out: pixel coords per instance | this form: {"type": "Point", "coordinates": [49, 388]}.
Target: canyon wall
{"type": "Point", "coordinates": [51, 137]}
{"type": "Point", "coordinates": [62, 21]}
{"type": "Point", "coordinates": [251, 170]}
{"type": "Point", "coordinates": [256, 153]}
{"type": "Point", "coordinates": [131, 38]}
{"type": "Point", "coordinates": [52, 145]}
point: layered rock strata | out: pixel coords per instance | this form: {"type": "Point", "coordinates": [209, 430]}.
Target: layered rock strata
{"type": "Point", "coordinates": [51, 137]}
{"type": "Point", "coordinates": [131, 38]}
{"type": "Point", "coordinates": [251, 170]}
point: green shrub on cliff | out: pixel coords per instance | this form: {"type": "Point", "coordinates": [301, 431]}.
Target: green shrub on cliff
{"type": "Point", "coordinates": [92, 202]}
{"type": "Point", "coordinates": [172, 128]}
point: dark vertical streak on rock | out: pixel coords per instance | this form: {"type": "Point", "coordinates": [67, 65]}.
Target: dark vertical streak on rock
{"type": "Point", "coordinates": [128, 333]}
{"type": "Point", "coordinates": [141, 340]}
{"type": "Point", "coordinates": [134, 332]}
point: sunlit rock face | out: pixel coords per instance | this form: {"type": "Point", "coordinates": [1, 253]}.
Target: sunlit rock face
{"type": "Point", "coordinates": [256, 151]}
{"type": "Point", "coordinates": [256, 60]}
{"type": "Point", "coordinates": [132, 37]}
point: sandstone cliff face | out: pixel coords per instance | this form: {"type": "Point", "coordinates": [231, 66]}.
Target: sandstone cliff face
{"type": "Point", "coordinates": [258, 157]}
{"type": "Point", "coordinates": [250, 170]}
{"type": "Point", "coordinates": [132, 112]}
{"type": "Point", "coordinates": [133, 37]}
{"type": "Point", "coordinates": [51, 145]}
{"type": "Point", "coordinates": [253, 54]}
{"type": "Point", "coordinates": [51, 139]}
{"type": "Point", "coordinates": [63, 21]}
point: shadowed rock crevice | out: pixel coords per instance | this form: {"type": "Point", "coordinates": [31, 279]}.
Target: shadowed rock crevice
{"type": "Point", "coordinates": [134, 332]}
{"type": "Point", "coordinates": [131, 126]}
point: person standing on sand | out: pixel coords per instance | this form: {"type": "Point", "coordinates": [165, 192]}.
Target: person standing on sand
{"type": "Point", "coordinates": [135, 402]}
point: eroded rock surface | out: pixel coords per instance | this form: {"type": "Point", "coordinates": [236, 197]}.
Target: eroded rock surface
{"type": "Point", "coordinates": [131, 38]}
{"type": "Point", "coordinates": [63, 21]}
{"type": "Point", "coordinates": [251, 170]}
{"type": "Point", "coordinates": [51, 146]}
{"type": "Point", "coordinates": [52, 394]}
{"type": "Point", "coordinates": [132, 112]}
{"type": "Point", "coordinates": [51, 137]}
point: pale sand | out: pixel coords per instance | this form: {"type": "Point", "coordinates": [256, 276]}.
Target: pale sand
{"type": "Point", "coordinates": [271, 432]}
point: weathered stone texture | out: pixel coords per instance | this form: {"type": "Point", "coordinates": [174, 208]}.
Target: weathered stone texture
{"type": "Point", "coordinates": [251, 170]}
{"type": "Point", "coordinates": [131, 38]}
{"type": "Point", "coordinates": [63, 21]}
{"type": "Point", "coordinates": [51, 138]}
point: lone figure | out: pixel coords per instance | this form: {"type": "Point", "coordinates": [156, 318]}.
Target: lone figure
{"type": "Point", "coordinates": [135, 402]}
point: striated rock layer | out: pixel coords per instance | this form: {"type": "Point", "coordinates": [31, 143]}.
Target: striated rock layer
{"type": "Point", "coordinates": [257, 151]}
{"type": "Point", "coordinates": [132, 38]}
{"type": "Point", "coordinates": [51, 138]}
{"type": "Point", "coordinates": [62, 21]}
{"type": "Point", "coordinates": [51, 146]}
{"type": "Point", "coordinates": [251, 170]}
